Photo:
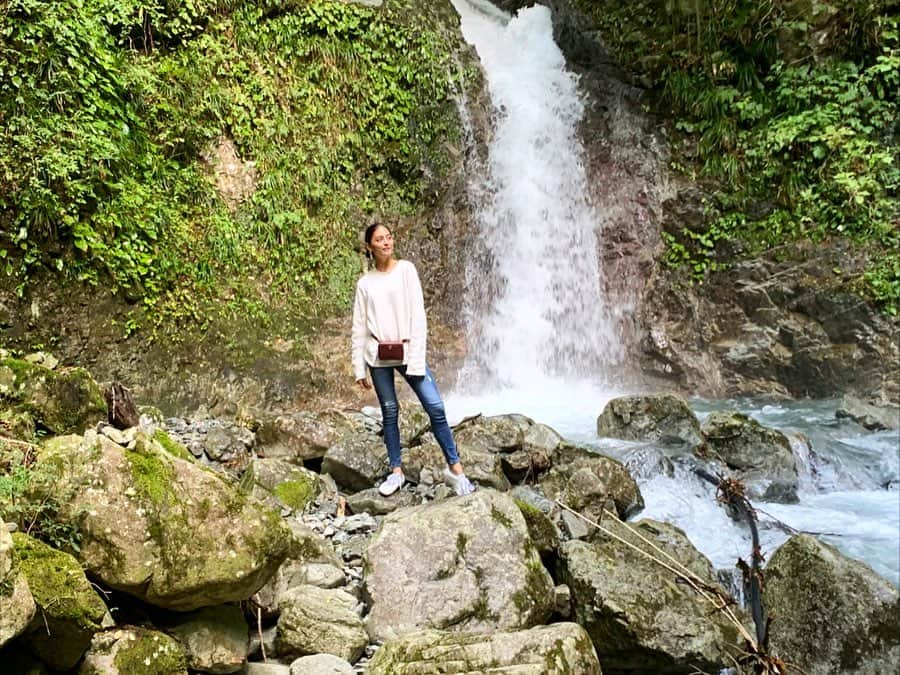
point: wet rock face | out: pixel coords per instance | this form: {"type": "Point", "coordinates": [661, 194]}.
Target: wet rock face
{"type": "Point", "coordinates": [833, 614]}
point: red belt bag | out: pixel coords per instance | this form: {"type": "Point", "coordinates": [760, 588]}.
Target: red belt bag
{"type": "Point", "coordinates": [390, 350]}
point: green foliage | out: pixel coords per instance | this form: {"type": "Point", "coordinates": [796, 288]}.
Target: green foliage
{"type": "Point", "coordinates": [800, 134]}
{"type": "Point", "coordinates": [112, 111]}
{"type": "Point", "coordinates": [31, 496]}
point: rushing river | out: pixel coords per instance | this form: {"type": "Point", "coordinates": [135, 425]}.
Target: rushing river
{"type": "Point", "coordinates": [542, 343]}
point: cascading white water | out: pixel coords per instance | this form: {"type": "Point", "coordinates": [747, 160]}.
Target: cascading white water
{"type": "Point", "coordinates": [541, 315]}
{"type": "Point", "coordinates": [542, 342]}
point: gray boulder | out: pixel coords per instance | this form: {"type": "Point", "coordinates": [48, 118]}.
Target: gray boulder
{"type": "Point", "coordinates": [69, 610]}
{"type": "Point", "coordinates": [372, 501]}
{"type": "Point", "coordinates": [321, 664]}
{"type": "Point", "coordinates": [16, 602]}
{"type": "Point", "coordinates": [126, 651]}
{"type": "Point", "coordinates": [832, 614]}
{"type": "Point", "coordinates": [320, 621]}
{"type": "Point", "coordinates": [558, 649]}
{"type": "Point", "coordinates": [215, 639]}
{"type": "Point", "coordinates": [482, 466]}
{"type": "Point", "coordinates": [639, 618]}
{"type": "Point", "coordinates": [584, 481]}
{"type": "Point", "coordinates": [759, 456]}
{"type": "Point", "coordinates": [464, 564]}
{"type": "Point", "coordinates": [300, 436]}
{"type": "Point", "coordinates": [655, 417]}
{"type": "Point", "coordinates": [872, 417]}
{"type": "Point", "coordinates": [281, 483]}
{"type": "Point", "coordinates": [356, 462]}
{"type": "Point", "coordinates": [168, 531]}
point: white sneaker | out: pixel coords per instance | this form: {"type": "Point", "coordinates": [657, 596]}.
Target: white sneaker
{"type": "Point", "coordinates": [391, 484]}
{"type": "Point", "coordinates": [460, 484]}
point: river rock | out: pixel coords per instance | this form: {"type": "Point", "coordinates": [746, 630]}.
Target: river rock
{"type": "Point", "coordinates": [131, 650]}
{"type": "Point", "coordinates": [482, 466]}
{"type": "Point", "coordinates": [639, 618]}
{"type": "Point", "coordinates": [872, 417]}
{"type": "Point", "coordinates": [285, 484]}
{"type": "Point", "coordinates": [584, 480]}
{"type": "Point", "coordinates": [16, 602]}
{"type": "Point", "coordinates": [372, 501]}
{"type": "Point", "coordinates": [61, 401]}
{"type": "Point", "coordinates": [168, 531]}
{"type": "Point", "coordinates": [560, 649]}
{"type": "Point", "coordinates": [321, 664]}
{"type": "Point", "coordinates": [541, 528]}
{"type": "Point", "coordinates": [759, 456]}
{"type": "Point", "coordinates": [320, 621]}
{"type": "Point", "coordinates": [302, 436]}
{"type": "Point", "coordinates": [356, 462]}
{"type": "Point", "coordinates": [464, 564]}
{"type": "Point", "coordinates": [270, 668]}
{"type": "Point", "coordinates": [69, 611]}
{"type": "Point", "coordinates": [215, 639]}
{"type": "Point", "coordinates": [655, 417]}
{"type": "Point", "coordinates": [831, 614]}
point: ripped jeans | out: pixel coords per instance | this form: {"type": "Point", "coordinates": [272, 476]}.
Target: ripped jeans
{"type": "Point", "coordinates": [427, 391]}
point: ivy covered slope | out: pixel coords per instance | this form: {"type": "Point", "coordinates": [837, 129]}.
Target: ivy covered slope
{"type": "Point", "coordinates": [208, 159]}
{"type": "Point", "coordinates": [788, 109]}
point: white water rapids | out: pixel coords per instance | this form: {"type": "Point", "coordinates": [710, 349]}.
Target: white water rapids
{"type": "Point", "coordinates": [542, 343]}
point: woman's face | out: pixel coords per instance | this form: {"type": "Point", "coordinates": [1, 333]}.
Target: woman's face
{"type": "Point", "coordinates": [382, 243]}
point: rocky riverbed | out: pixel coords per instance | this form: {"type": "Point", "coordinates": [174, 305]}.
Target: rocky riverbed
{"type": "Point", "coordinates": [207, 545]}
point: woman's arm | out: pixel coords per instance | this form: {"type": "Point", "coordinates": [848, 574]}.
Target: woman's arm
{"type": "Point", "coordinates": [418, 332]}
{"type": "Point", "coordinates": [359, 334]}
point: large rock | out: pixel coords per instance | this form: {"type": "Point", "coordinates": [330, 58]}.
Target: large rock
{"type": "Point", "coordinates": [16, 602]}
{"type": "Point", "coordinates": [639, 618]}
{"type": "Point", "coordinates": [466, 564]}
{"type": "Point", "coordinates": [321, 664]}
{"type": "Point", "coordinates": [872, 417]}
{"type": "Point", "coordinates": [320, 621]}
{"type": "Point", "coordinates": [69, 610]}
{"type": "Point", "coordinates": [558, 649]}
{"type": "Point", "coordinates": [356, 462]}
{"type": "Point", "coordinates": [759, 456]}
{"type": "Point", "coordinates": [61, 401]}
{"type": "Point", "coordinates": [284, 484]}
{"type": "Point", "coordinates": [482, 466]}
{"type": "Point", "coordinates": [831, 614]}
{"type": "Point", "coordinates": [215, 639]}
{"type": "Point", "coordinates": [301, 436]}
{"type": "Point", "coordinates": [584, 480]}
{"type": "Point", "coordinates": [127, 651]}
{"type": "Point", "coordinates": [163, 529]}
{"type": "Point", "coordinates": [657, 417]}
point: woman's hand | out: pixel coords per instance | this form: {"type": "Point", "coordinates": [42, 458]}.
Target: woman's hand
{"type": "Point", "coordinates": [364, 383]}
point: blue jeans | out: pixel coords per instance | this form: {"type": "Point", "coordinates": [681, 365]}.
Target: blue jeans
{"type": "Point", "coordinates": [427, 391]}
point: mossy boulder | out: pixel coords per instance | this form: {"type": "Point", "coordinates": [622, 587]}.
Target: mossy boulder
{"type": "Point", "coordinates": [831, 614]}
{"type": "Point", "coordinates": [464, 564]}
{"type": "Point", "coordinates": [69, 610]}
{"type": "Point", "coordinates": [284, 484]}
{"type": "Point", "coordinates": [656, 417]}
{"type": "Point", "coordinates": [16, 602]}
{"type": "Point", "coordinates": [560, 649]}
{"type": "Point", "coordinates": [17, 425]}
{"type": "Point", "coordinates": [639, 617]}
{"type": "Point", "coordinates": [759, 456]}
{"type": "Point", "coordinates": [60, 401]}
{"type": "Point", "coordinates": [168, 531]}
{"type": "Point", "coordinates": [585, 481]}
{"type": "Point", "coordinates": [541, 528]}
{"type": "Point", "coordinates": [131, 650]}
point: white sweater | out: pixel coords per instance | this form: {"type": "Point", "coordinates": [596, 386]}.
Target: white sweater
{"type": "Point", "coordinates": [389, 306]}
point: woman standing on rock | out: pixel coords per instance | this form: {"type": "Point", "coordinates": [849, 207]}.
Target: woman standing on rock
{"type": "Point", "coordinates": [389, 333]}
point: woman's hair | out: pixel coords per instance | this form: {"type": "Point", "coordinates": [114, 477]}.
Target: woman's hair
{"type": "Point", "coordinates": [370, 232]}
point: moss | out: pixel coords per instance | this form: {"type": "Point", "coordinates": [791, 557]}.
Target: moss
{"type": "Point", "coordinates": [296, 493]}
{"type": "Point", "coordinates": [501, 517]}
{"type": "Point", "coordinates": [151, 475]}
{"type": "Point", "coordinates": [58, 583]}
{"type": "Point", "coordinates": [150, 654]}
{"type": "Point", "coordinates": [461, 541]}
{"type": "Point", "coordinates": [171, 446]}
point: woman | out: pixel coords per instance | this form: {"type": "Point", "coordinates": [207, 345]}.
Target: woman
{"type": "Point", "coordinates": [389, 307]}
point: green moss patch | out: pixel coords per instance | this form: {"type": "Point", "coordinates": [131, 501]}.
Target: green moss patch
{"type": "Point", "coordinates": [58, 583]}
{"type": "Point", "coordinates": [151, 475]}
{"type": "Point", "coordinates": [171, 446]}
{"type": "Point", "coordinates": [150, 654]}
{"type": "Point", "coordinates": [296, 494]}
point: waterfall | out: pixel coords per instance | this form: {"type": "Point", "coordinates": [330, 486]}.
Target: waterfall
{"type": "Point", "coordinates": [536, 311]}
